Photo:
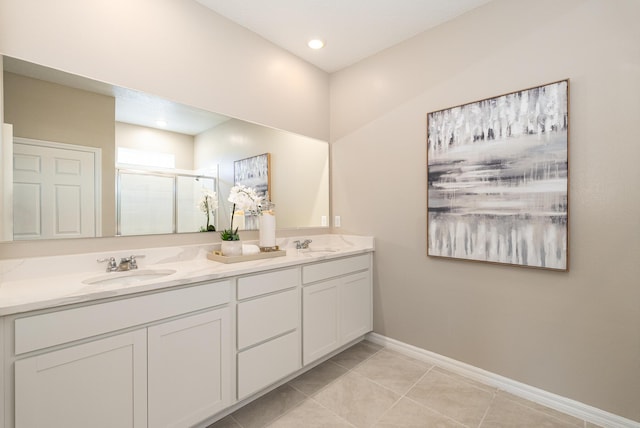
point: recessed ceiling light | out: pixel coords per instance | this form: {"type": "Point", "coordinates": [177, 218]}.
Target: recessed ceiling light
{"type": "Point", "coordinates": [161, 123]}
{"type": "Point", "coordinates": [316, 44]}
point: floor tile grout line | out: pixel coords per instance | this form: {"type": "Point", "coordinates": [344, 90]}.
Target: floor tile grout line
{"type": "Point", "coordinates": [395, 403]}
{"type": "Point", "coordinates": [271, 422]}
{"type": "Point", "coordinates": [404, 395]}
{"type": "Point", "coordinates": [401, 395]}
{"type": "Point", "coordinates": [310, 397]}
{"type": "Point", "coordinates": [236, 421]}
{"type": "Point", "coordinates": [542, 412]}
{"type": "Point", "coordinates": [436, 411]}
{"type": "Point", "coordinates": [325, 386]}
{"type": "Point", "coordinates": [486, 412]}
{"type": "Point", "coordinates": [360, 363]}
{"type": "Point", "coordinates": [351, 371]}
{"type": "Point", "coordinates": [315, 401]}
{"type": "Point", "coordinates": [331, 411]}
{"type": "Point", "coordinates": [389, 389]}
{"type": "Point", "coordinates": [466, 380]}
{"type": "Point", "coordinates": [377, 384]}
{"type": "Point", "coordinates": [266, 424]}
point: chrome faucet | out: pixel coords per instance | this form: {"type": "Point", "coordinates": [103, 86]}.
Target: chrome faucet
{"type": "Point", "coordinates": [111, 263]}
{"type": "Point", "coordinates": [303, 245]}
{"type": "Point", "coordinates": [126, 263]}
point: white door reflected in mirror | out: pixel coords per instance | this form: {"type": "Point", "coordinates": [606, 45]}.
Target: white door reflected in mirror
{"type": "Point", "coordinates": [55, 192]}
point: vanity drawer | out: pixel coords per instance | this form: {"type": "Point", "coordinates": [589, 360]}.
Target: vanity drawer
{"type": "Point", "coordinates": [326, 270]}
{"type": "Point", "coordinates": [265, 364]}
{"type": "Point", "coordinates": [55, 328]}
{"type": "Point", "coordinates": [266, 317]}
{"type": "Point", "coordinates": [256, 285]}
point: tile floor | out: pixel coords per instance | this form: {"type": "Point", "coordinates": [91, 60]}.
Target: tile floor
{"type": "Point", "coordinates": [370, 386]}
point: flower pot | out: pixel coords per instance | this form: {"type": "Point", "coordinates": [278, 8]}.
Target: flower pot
{"type": "Point", "coordinates": [231, 248]}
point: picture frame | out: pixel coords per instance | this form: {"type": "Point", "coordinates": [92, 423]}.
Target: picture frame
{"type": "Point", "coordinates": [254, 172]}
{"type": "Point", "coordinates": [498, 179]}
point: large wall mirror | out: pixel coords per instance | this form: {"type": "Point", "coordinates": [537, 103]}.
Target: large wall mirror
{"type": "Point", "coordinates": [91, 159]}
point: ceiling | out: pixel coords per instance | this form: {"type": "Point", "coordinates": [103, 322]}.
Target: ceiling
{"type": "Point", "coordinates": [351, 29]}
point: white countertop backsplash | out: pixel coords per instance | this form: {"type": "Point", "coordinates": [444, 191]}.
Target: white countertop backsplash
{"type": "Point", "coordinates": [44, 282]}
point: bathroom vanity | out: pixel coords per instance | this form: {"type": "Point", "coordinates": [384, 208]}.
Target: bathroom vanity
{"type": "Point", "coordinates": [189, 343]}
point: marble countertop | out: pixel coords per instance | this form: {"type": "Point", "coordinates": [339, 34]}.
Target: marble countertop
{"type": "Point", "coordinates": [45, 282]}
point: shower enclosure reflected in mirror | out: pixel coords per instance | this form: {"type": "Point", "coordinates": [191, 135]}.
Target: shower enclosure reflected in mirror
{"type": "Point", "coordinates": [155, 190]}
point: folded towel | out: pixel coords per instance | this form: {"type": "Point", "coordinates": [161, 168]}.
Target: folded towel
{"type": "Point", "coordinates": [248, 249]}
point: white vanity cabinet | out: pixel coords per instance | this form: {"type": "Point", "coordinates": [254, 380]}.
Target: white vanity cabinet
{"type": "Point", "coordinates": [336, 304]}
{"type": "Point", "coordinates": [157, 360]}
{"type": "Point", "coordinates": [268, 329]}
{"type": "Point", "coordinates": [183, 355]}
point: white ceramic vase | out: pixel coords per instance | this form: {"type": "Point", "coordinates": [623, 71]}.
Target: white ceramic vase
{"type": "Point", "coordinates": [231, 248]}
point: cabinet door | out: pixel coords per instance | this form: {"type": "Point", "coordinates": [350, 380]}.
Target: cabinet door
{"type": "Point", "coordinates": [320, 319]}
{"type": "Point", "coordinates": [96, 384]}
{"type": "Point", "coordinates": [355, 306]}
{"type": "Point", "coordinates": [189, 369]}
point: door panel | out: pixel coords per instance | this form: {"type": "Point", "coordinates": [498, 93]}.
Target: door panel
{"type": "Point", "coordinates": [320, 320]}
{"type": "Point", "coordinates": [100, 384]}
{"type": "Point", "coordinates": [65, 205]}
{"type": "Point", "coordinates": [189, 369]}
{"type": "Point", "coordinates": [27, 222]}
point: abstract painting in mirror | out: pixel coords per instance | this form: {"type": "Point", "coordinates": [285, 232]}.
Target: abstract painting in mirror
{"type": "Point", "coordinates": [497, 172]}
{"type": "Point", "coordinates": [155, 158]}
{"type": "Point", "coordinates": [254, 172]}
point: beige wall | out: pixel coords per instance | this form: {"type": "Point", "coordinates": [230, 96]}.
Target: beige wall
{"type": "Point", "coordinates": [576, 334]}
{"type": "Point", "coordinates": [156, 140]}
{"type": "Point", "coordinates": [177, 49]}
{"type": "Point", "coordinates": [299, 168]}
{"type": "Point", "coordinates": [50, 112]}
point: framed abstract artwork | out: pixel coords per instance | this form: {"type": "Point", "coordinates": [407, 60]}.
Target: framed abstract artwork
{"type": "Point", "coordinates": [254, 172]}
{"type": "Point", "coordinates": [498, 179]}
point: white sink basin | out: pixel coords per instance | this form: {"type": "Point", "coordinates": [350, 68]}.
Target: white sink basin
{"type": "Point", "coordinates": [317, 251]}
{"type": "Point", "coordinates": [128, 277]}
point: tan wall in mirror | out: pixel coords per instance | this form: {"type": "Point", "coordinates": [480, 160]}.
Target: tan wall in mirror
{"type": "Point", "coordinates": [179, 50]}
{"type": "Point", "coordinates": [157, 140]}
{"type": "Point", "coordinates": [6, 149]}
{"type": "Point", "coordinates": [576, 334]}
{"type": "Point", "coordinates": [50, 112]}
{"type": "Point", "coordinates": [299, 168]}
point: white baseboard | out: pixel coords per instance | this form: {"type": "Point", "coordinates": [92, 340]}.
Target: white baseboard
{"type": "Point", "coordinates": [554, 401]}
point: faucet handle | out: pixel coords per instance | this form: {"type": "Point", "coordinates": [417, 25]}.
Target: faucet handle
{"type": "Point", "coordinates": [302, 245]}
{"type": "Point", "coordinates": [132, 261]}
{"type": "Point", "coordinates": [111, 263]}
